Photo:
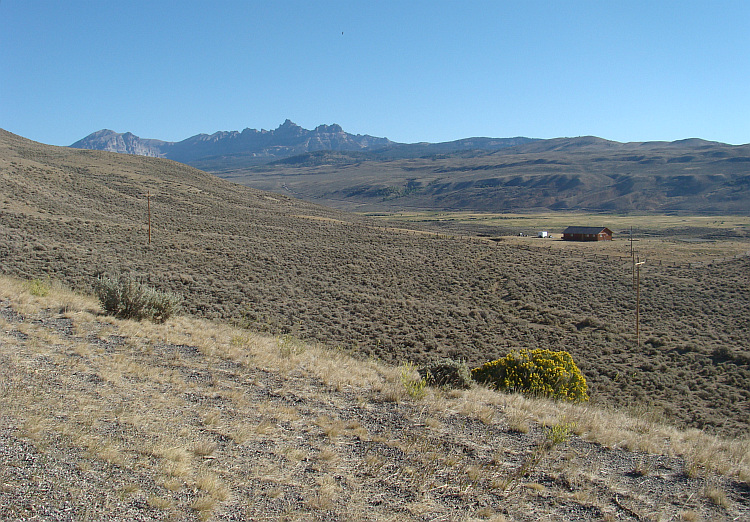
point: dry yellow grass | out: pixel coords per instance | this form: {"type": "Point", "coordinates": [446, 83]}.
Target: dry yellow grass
{"type": "Point", "coordinates": [199, 419]}
{"type": "Point", "coordinates": [665, 249]}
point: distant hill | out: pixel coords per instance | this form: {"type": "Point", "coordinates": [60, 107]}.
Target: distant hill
{"type": "Point", "coordinates": [585, 173]}
{"type": "Point", "coordinates": [124, 143]}
{"type": "Point", "coordinates": [253, 146]}
{"type": "Point", "coordinates": [364, 173]}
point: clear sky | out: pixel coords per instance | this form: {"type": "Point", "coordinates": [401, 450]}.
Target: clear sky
{"type": "Point", "coordinates": [407, 70]}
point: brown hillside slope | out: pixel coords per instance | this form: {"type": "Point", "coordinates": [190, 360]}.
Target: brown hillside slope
{"type": "Point", "coordinates": [289, 267]}
{"type": "Point", "coordinates": [587, 173]}
{"type": "Point", "coordinates": [104, 419]}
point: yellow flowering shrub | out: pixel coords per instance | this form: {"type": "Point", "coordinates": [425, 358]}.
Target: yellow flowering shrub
{"type": "Point", "coordinates": [540, 373]}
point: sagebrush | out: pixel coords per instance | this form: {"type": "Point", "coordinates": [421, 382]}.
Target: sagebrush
{"type": "Point", "coordinates": [448, 373]}
{"type": "Point", "coordinates": [126, 298]}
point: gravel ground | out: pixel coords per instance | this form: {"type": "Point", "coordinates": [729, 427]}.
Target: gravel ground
{"type": "Point", "coordinates": [112, 420]}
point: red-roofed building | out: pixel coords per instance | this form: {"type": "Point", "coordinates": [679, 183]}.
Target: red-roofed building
{"type": "Point", "coordinates": [587, 234]}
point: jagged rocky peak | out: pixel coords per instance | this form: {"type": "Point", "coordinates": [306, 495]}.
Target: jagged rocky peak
{"type": "Point", "coordinates": [289, 124]}
{"type": "Point", "coordinates": [222, 135]}
{"type": "Point", "coordinates": [289, 127]}
{"type": "Point", "coordinates": [127, 143]}
{"type": "Point", "coordinates": [329, 129]}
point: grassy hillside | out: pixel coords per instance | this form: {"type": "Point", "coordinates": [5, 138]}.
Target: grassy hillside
{"type": "Point", "coordinates": [377, 290]}
{"type": "Point", "coordinates": [561, 174]}
{"type": "Point", "coordinates": [107, 419]}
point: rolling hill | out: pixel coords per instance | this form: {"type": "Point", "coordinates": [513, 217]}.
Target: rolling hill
{"type": "Point", "coordinates": [288, 267]}
{"type": "Point", "coordinates": [588, 173]}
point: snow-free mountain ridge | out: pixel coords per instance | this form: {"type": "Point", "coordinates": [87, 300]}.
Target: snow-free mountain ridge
{"type": "Point", "coordinates": [253, 147]}
{"type": "Point", "coordinates": [259, 146]}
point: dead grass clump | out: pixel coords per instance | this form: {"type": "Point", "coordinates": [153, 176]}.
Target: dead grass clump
{"type": "Point", "coordinates": [324, 498]}
{"type": "Point", "coordinates": [518, 420]}
{"type": "Point", "coordinates": [332, 428]}
{"type": "Point", "coordinates": [173, 469]}
{"type": "Point", "coordinates": [31, 296]}
{"type": "Point", "coordinates": [174, 454]}
{"type": "Point", "coordinates": [172, 484]}
{"type": "Point", "coordinates": [242, 433]}
{"type": "Point", "coordinates": [340, 370]}
{"type": "Point", "coordinates": [213, 486]}
{"type": "Point", "coordinates": [211, 419]}
{"type": "Point", "coordinates": [157, 502]}
{"type": "Point", "coordinates": [110, 453]}
{"type": "Point", "coordinates": [204, 506]}
{"type": "Point", "coordinates": [690, 516]}
{"type": "Point", "coordinates": [716, 496]}
{"type": "Point", "coordinates": [265, 427]}
{"type": "Point", "coordinates": [294, 454]}
{"type": "Point", "coordinates": [203, 448]}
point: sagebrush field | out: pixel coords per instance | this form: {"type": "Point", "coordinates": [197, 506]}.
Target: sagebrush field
{"type": "Point", "coordinates": [377, 290]}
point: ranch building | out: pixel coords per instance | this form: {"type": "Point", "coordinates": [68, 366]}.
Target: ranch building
{"type": "Point", "coordinates": [587, 234]}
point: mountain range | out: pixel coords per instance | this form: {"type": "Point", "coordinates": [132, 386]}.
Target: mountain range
{"type": "Point", "coordinates": [253, 147]}
{"type": "Point", "coordinates": [365, 173]}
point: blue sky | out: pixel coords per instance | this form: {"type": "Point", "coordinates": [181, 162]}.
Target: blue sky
{"type": "Point", "coordinates": [407, 70]}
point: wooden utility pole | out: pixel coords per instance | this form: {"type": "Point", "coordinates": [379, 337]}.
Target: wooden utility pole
{"type": "Point", "coordinates": [631, 240]}
{"type": "Point", "coordinates": [638, 302]}
{"type": "Point", "coordinates": [632, 254]}
{"type": "Point", "coordinates": [148, 197]}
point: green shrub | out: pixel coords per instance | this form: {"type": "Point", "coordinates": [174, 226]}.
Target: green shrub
{"type": "Point", "coordinates": [290, 345]}
{"type": "Point", "coordinates": [414, 386]}
{"type": "Point", "coordinates": [129, 299]}
{"type": "Point", "coordinates": [447, 373]}
{"type": "Point", "coordinates": [541, 373]}
{"type": "Point", "coordinates": [37, 287]}
{"type": "Point", "coordinates": [559, 433]}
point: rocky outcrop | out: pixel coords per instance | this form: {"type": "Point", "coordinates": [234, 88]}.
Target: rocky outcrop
{"type": "Point", "coordinates": [127, 143]}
